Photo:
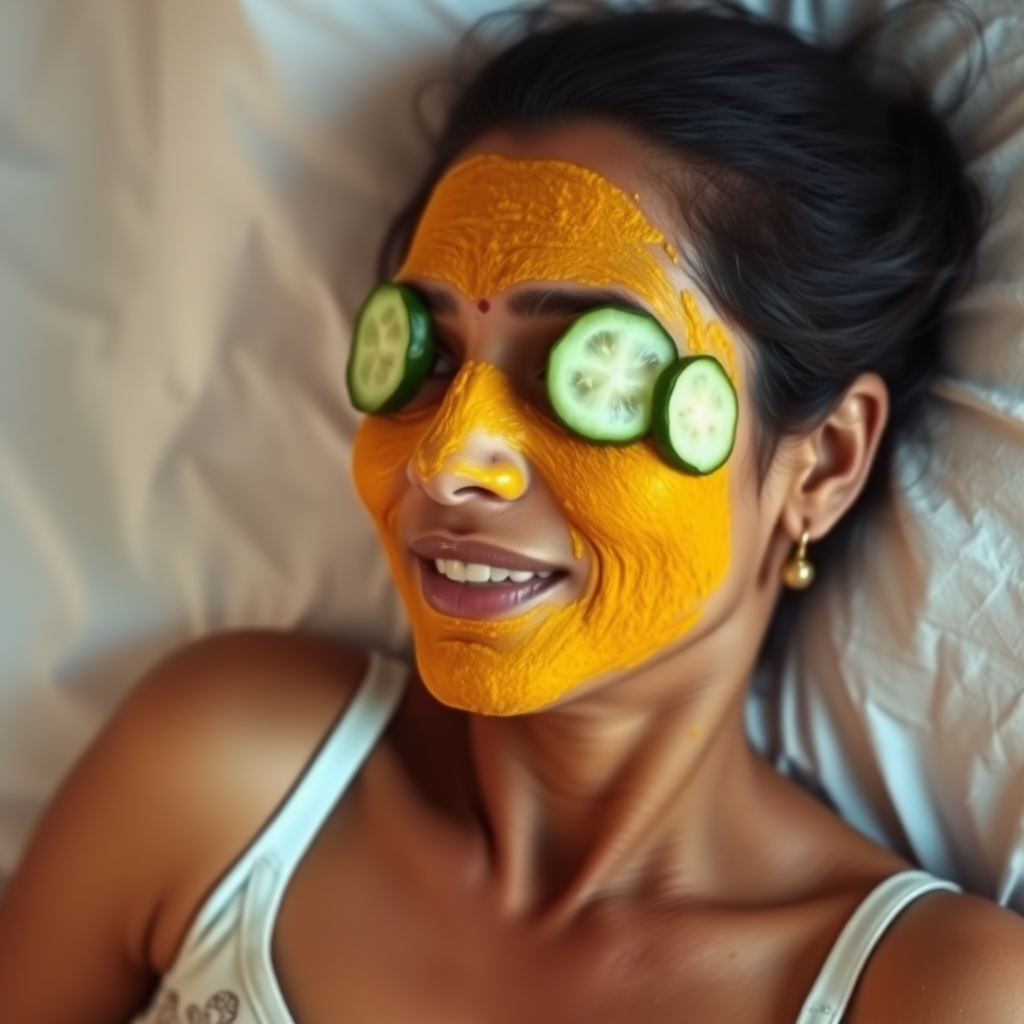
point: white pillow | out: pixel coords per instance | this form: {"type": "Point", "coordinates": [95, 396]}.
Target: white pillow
{"type": "Point", "coordinates": [191, 199]}
{"type": "Point", "coordinates": [903, 701]}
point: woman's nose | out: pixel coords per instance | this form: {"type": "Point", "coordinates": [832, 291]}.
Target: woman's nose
{"type": "Point", "coordinates": [472, 448]}
{"type": "Point", "coordinates": [485, 470]}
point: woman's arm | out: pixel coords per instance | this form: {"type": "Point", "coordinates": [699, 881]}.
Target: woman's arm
{"type": "Point", "coordinates": [74, 919]}
{"type": "Point", "coordinates": [185, 774]}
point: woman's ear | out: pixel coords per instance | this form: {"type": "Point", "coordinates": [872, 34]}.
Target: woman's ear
{"type": "Point", "coordinates": [835, 458]}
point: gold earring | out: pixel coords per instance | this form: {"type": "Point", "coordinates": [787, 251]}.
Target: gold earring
{"type": "Point", "coordinates": [797, 570]}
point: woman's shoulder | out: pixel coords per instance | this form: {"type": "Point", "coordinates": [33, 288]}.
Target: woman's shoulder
{"type": "Point", "coordinates": [197, 759]}
{"type": "Point", "coordinates": [948, 958]}
{"type": "Point", "coordinates": [185, 774]}
{"type": "Point", "coordinates": [220, 726]}
{"type": "Point", "coordinates": [238, 687]}
{"type": "Point", "coordinates": [218, 732]}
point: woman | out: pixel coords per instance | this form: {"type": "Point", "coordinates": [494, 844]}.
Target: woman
{"type": "Point", "coordinates": [658, 313]}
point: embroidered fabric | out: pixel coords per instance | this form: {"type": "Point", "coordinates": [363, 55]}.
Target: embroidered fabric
{"type": "Point", "coordinates": [220, 1008]}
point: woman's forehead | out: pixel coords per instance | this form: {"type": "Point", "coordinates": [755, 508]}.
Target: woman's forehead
{"type": "Point", "coordinates": [514, 210]}
{"type": "Point", "coordinates": [494, 222]}
{"type": "Point", "coordinates": [616, 154]}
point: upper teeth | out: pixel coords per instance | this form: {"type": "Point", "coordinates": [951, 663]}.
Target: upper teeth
{"type": "Point", "coordinates": [474, 572]}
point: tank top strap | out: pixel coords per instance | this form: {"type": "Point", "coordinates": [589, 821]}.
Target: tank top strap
{"type": "Point", "coordinates": [338, 761]}
{"type": "Point", "coordinates": [834, 986]}
{"type": "Point", "coordinates": [288, 834]}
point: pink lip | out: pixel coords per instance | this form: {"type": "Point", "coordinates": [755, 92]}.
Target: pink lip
{"type": "Point", "coordinates": [479, 600]}
{"type": "Point", "coordinates": [432, 548]}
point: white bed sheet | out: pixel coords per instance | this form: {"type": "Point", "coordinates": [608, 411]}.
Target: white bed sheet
{"type": "Point", "coordinates": [191, 197]}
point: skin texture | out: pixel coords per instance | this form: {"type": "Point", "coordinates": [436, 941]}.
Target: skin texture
{"type": "Point", "coordinates": [622, 856]}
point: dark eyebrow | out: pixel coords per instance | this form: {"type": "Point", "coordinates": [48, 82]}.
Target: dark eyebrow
{"type": "Point", "coordinates": [437, 300]}
{"type": "Point", "coordinates": [557, 302]}
{"type": "Point", "coordinates": [536, 302]}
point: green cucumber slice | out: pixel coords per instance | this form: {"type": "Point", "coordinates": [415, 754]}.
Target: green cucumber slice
{"type": "Point", "coordinates": [392, 350]}
{"type": "Point", "coordinates": [695, 414]}
{"type": "Point", "coordinates": [601, 374]}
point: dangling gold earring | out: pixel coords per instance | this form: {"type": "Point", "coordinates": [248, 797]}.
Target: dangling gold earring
{"type": "Point", "coordinates": [797, 570]}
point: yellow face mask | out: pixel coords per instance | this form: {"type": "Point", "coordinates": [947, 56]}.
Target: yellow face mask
{"type": "Point", "coordinates": [657, 541]}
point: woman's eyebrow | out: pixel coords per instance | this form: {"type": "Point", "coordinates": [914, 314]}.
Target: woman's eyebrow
{"type": "Point", "coordinates": [536, 302]}
{"type": "Point", "coordinates": [437, 300]}
{"type": "Point", "coordinates": [558, 302]}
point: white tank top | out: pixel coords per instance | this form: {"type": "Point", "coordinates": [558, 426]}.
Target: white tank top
{"type": "Point", "coordinates": [224, 973]}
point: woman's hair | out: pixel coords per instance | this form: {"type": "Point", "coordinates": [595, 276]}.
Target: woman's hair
{"type": "Point", "coordinates": [830, 221]}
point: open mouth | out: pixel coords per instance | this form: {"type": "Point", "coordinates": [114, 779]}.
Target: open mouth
{"type": "Point", "coordinates": [473, 590]}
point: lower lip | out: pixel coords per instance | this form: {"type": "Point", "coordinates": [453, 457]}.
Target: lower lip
{"type": "Point", "coordinates": [480, 600]}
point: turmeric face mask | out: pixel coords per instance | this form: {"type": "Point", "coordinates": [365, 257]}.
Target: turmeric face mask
{"type": "Point", "coordinates": [656, 542]}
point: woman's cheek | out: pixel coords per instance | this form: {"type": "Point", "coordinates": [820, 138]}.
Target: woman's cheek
{"type": "Point", "coordinates": [661, 539]}
{"type": "Point", "coordinates": [383, 448]}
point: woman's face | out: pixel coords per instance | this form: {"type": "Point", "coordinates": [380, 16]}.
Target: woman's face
{"type": "Point", "coordinates": [531, 561]}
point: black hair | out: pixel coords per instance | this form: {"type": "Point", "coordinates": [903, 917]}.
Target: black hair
{"type": "Point", "coordinates": [832, 220]}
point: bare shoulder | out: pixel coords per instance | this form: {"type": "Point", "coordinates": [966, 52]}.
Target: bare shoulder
{"type": "Point", "coordinates": [217, 731]}
{"type": "Point", "coordinates": [947, 958]}
{"type": "Point", "coordinates": [217, 734]}
{"type": "Point", "coordinates": [172, 790]}
{"type": "Point", "coordinates": [235, 688]}
{"type": "Point", "coordinates": [212, 738]}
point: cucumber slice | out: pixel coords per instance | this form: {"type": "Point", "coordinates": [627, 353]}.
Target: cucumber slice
{"type": "Point", "coordinates": [601, 374]}
{"type": "Point", "coordinates": [695, 414]}
{"type": "Point", "coordinates": [392, 350]}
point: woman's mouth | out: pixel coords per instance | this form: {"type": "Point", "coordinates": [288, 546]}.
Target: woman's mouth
{"type": "Point", "coordinates": [475, 590]}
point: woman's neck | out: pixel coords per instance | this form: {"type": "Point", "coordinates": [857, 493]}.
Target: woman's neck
{"type": "Point", "coordinates": [617, 789]}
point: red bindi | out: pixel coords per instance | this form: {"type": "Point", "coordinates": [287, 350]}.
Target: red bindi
{"type": "Point", "coordinates": [483, 305]}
